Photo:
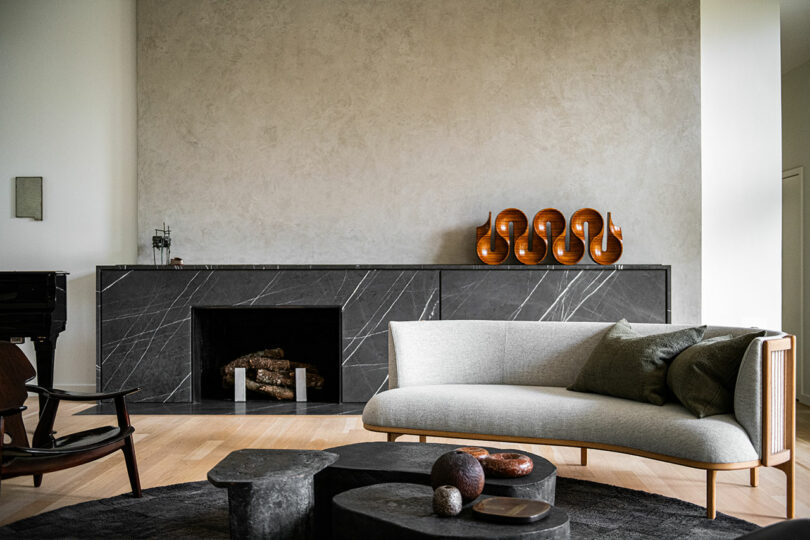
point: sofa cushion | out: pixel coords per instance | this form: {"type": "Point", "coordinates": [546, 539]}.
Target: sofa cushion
{"type": "Point", "coordinates": [546, 412]}
{"type": "Point", "coordinates": [703, 376]}
{"type": "Point", "coordinates": [628, 365]}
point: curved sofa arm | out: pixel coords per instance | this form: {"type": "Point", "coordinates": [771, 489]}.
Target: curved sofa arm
{"type": "Point", "coordinates": [392, 361]}
{"type": "Point", "coordinates": [768, 359]}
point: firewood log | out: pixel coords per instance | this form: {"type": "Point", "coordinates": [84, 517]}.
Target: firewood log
{"type": "Point", "coordinates": [287, 378]}
{"type": "Point", "coordinates": [278, 392]}
{"type": "Point", "coordinates": [260, 362]}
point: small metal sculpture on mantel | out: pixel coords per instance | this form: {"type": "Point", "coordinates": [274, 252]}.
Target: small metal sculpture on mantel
{"type": "Point", "coordinates": [162, 243]}
{"type": "Point", "coordinates": [548, 230]}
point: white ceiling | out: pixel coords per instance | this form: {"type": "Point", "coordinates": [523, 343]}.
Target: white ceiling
{"type": "Point", "coordinates": [795, 33]}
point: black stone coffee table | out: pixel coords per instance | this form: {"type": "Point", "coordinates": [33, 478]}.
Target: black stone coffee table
{"type": "Point", "coordinates": [365, 464]}
{"type": "Point", "coordinates": [270, 492]}
{"type": "Point", "coordinates": [398, 511]}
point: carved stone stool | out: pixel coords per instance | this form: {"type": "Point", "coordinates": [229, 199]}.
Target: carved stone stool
{"type": "Point", "coordinates": [270, 492]}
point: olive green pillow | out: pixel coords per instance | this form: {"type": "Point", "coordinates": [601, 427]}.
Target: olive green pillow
{"type": "Point", "coordinates": [630, 366]}
{"type": "Point", "coordinates": [703, 376]}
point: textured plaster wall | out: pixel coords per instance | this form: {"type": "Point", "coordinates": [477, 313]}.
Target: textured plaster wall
{"type": "Point", "coordinates": [356, 131]}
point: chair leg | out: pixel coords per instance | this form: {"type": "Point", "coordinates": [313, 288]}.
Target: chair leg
{"type": "Point", "coordinates": [789, 468]}
{"type": "Point", "coordinates": [422, 438]}
{"type": "Point", "coordinates": [37, 480]}
{"type": "Point", "coordinates": [754, 476]}
{"type": "Point", "coordinates": [711, 490]}
{"type": "Point", "coordinates": [583, 456]}
{"type": "Point", "coordinates": [393, 436]}
{"type": "Point", "coordinates": [132, 466]}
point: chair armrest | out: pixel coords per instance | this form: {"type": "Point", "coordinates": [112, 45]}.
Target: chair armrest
{"type": "Point", "coordinates": [767, 360]}
{"type": "Point", "coordinates": [63, 395]}
{"type": "Point", "coordinates": [12, 411]}
{"type": "Point", "coordinates": [778, 400]}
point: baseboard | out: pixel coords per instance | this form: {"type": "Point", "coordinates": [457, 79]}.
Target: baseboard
{"type": "Point", "coordinates": [804, 399]}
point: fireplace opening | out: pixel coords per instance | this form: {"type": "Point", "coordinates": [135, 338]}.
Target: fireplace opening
{"type": "Point", "coordinates": [272, 341]}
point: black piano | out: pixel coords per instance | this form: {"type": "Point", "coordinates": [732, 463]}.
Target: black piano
{"type": "Point", "coordinates": [33, 305]}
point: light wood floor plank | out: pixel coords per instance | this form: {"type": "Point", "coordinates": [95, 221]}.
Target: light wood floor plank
{"type": "Point", "coordinates": [183, 448]}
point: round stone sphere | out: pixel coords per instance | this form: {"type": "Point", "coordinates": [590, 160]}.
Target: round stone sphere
{"type": "Point", "coordinates": [447, 501]}
{"type": "Point", "coordinates": [460, 470]}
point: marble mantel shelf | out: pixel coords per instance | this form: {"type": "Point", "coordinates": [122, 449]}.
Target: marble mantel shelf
{"type": "Point", "coordinates": [381, 267]}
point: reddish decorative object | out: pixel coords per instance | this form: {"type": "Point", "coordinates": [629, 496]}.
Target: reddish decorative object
{"type": "Point", "coordinates": [507, 465]}
{"type": "Point", "coordinates": [488, 252]}
{"type": "Point", "coordinates": [522, 231]}
{"type": "Point", "coordinates": [548, 224]}
{"type": "Point", "coordinates": [576, 241]}
{"type": "Point", "coordinates": [475, 451]}
{"type": "Point", "coordinates": [548, 229]}
{"type": "Point", "coordinates": [614, 244]}
{"type": "Point", "coordinates": [460, 470]}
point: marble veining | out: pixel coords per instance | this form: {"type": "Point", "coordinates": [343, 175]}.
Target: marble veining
{"type": "Point", "coordinates": [144, 312]}
{"type": "Point", "coordinates": [145, 319]}
{"type": "Point", "coordinates": [600, 294]}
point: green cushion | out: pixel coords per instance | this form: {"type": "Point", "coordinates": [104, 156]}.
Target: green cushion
{"type": "Point", "coordinates": [630, 366]}
{"type": "Point", "coordinates": [703, 376]}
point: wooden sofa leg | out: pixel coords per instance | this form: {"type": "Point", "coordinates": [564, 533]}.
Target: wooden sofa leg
{"type": "Point", "coordinates": [754, 476]}
{"type": "Point", "coordinates": [711, 490]}
{"type": "Point", "coordinates": [422, 438]}
{"type": "Point", "coordinates": [789, 468]}
{"type": "Point", "coordinates": [393, 436]}
{"type": "Point", "coordinates": [583, 456]}
{"type": "Point", "coordinates": [37, 480]}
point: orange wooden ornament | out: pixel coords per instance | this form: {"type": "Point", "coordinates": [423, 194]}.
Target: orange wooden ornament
{"type": "Point", "coordinates": [490, 250]}
{"type": "Point", "coordinates": [548, 224]}
{"type": "Point", "coordinates": [614, 248]}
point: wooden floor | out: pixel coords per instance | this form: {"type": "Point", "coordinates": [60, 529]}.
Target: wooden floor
{"type": "Point", "coordinates": [172, 449]}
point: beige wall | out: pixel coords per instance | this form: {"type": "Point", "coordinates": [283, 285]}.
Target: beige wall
{"type": "Point", "coordinates": [355, 132]}
{"type": "Point", "coordinates": [67, 113]}
{"type": "Point", "coordinates": [795, 154]}
{"type": "Point", "coordinates": [796, 119]}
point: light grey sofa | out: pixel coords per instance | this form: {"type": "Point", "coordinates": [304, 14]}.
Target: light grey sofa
{"type": "Point", "coordinates": [505, 381]}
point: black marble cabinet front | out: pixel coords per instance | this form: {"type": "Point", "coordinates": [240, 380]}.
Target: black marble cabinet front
{"type": "Point", "coordinates": [144, 319]}
{"type": "Point", "coordinates": [601, 294]}
{"type": "Point", "coordinates": [144, 312]}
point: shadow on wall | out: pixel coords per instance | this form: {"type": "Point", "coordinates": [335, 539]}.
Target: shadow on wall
{"type": "Point", "coordinates": [456, 246]}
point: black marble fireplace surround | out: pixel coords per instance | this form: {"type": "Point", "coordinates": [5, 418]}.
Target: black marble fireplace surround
{"type": "Point", "coordinates": [145, 313]}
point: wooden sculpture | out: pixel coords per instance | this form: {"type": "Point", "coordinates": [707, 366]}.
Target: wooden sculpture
{"type": "Point", "coordinates": [490, 250]}
{"type": "Point", "coordinates": [613, 252]}
{"type": "Point", "coordinates": [521, 231]}
{"type": "Point", "coordinates": [498, 252]}
{"type": "Point", "coordinates": [548, 224]}
{"type": "Point", "coordinates": [548, 229]}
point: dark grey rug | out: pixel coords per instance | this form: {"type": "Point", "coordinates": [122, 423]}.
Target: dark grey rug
{"type": "Point", "coordinates": [199, 510]}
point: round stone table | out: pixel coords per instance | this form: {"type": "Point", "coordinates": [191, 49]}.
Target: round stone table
{"type": "Point", "coordinates": [399, 511]}
{"type": "Point", "coordinates": [270, 492]}
{"type": "Point", "coordinates": [365, 464]}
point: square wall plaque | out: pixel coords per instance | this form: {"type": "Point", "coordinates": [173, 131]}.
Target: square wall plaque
{"type": "Point", "coordinates": [28, 197]}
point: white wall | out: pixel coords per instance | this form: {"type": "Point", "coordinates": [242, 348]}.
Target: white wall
{"type": "Point", "coordinates": [742, 162]}
{"type": "Point", "coordinates": [68, 114]}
